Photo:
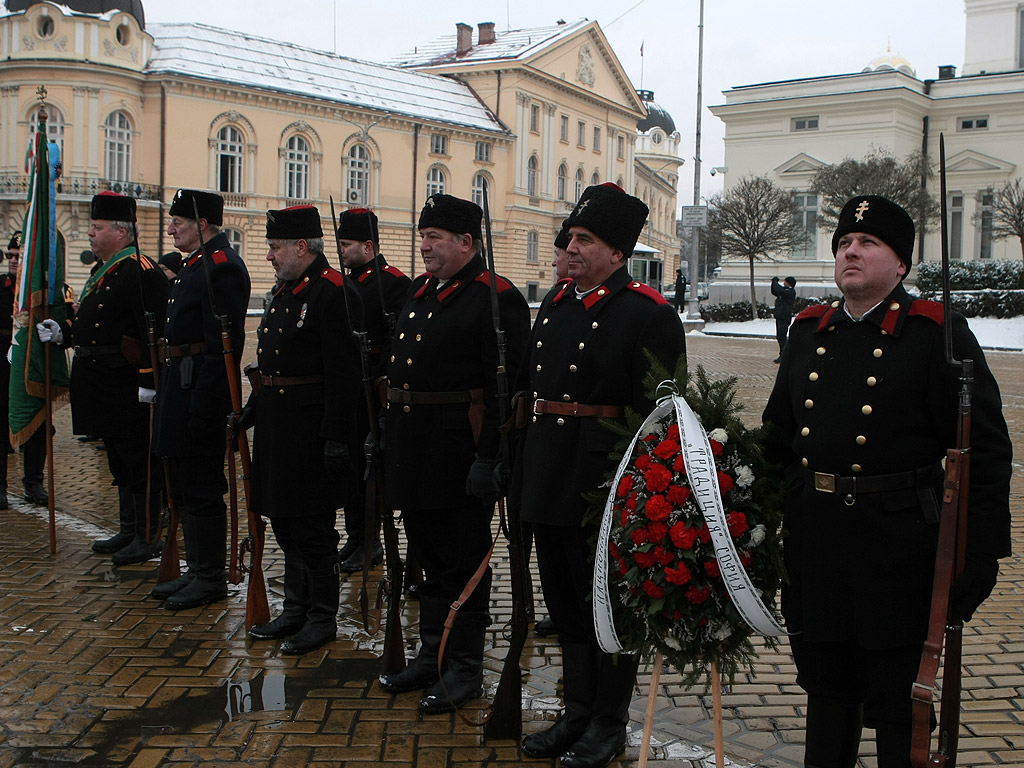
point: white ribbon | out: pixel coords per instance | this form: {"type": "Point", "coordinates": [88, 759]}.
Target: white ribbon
{"type": "Point", "coordinates": [702, 476]}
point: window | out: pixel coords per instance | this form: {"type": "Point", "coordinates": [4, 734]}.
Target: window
{"type": "Point", "coordinates": [483, 151]}
{"type": "Point", "coordinates": [438, 144]}
{"type": "Point", "coordinates": [595, 179]}
{"type": "Point", "coordinates": [563, 128]}
{"type": "Point", "coordinates": [597, 138]}
{"type": "Point", "coordinates": [985, 220]}
{"type": "Point", "coordinates": [622, 147]}
{"type": "Point", "coordinates": [358, 175]}
{"type": "Point", "coordinates": [532, 291]}
{"type": "Point", "coordinates": [236, 238]}
{"type": "Point", "coordinates": [229, 159]}
{"type": "Point", "coordinates": [956, 225]}
{"type": "Point", "coordinates": [581, 134]}
{"type": "Point", "coordinates": [806, 222]}
{"type": "Point", "coordinates": [531, 176]}
{"type": "Point", "coordinates": [296, 168]}
{"type": "Point", "coordinates": [54, 126]}
{"type": "Point", "coordinates": [972, 123]}
{"type": "Point", "coordinates": [535, 118]}
{"type": "Point", "coordinates": [804, 124]}
{"type": "Point", "coordinates": [118, 147]}
{"type": "Point", "coordinates": [579, 184]}
{"type": "Point", "coordinates": [436, 182]}
{"type": "Point", "coordinates": [563, 180]}
{"type": "Point", "coordinates": [45, 27]}
{"type": "Point", "coordinates": [531, 247]}
{"type": "Point", "coordinates": [479, 186]}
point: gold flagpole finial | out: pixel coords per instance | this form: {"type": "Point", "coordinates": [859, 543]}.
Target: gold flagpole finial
{"type": "Point", "coordinates": [41, 97]}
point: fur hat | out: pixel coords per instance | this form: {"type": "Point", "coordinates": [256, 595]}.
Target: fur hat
{"type": "Point", "coordinates": [301, 222]}
{"type": "Point", "coordinates": [610, 213]}
{"type": "Point", "coordinates": [881, 217]}
{"type": "Point", "coordinates": [210, 205]}
{"type": "Point", "coordinates": [453, 214]}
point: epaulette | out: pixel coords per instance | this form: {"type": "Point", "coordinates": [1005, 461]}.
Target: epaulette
{"type": "Point", "coordinates": [645, 290]}
{"type": "Point", "coordinates": [425, 277]}
{"type": "Point", "coordinates": [500, 284]}
{"type": "Point", "coordinates": [219, 257]}
{"type": "Point", "coordinates": [814, 311]}
{"type": "Point", "coordinates": [8, 281]}
{"type": "Point", "coordinates": [393, 271]}
{"type": "Point", "coordinates": [333, 276]}
{"type": "Point", "coordinates": [931, 309]}
{"type": "Point", "coordinates": [562, 285]}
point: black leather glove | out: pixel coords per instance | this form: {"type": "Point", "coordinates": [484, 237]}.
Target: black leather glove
{"type": "Point", "coordinates": [972, 586]}
{"type": "Point", "coordinates": [201, 429]}
{"type": "Point", "coordinates": [482, 482]}
{"type": "Point", "coordinates": [242, 421]}
{"type": "Point", "coordinates": [337, 459]}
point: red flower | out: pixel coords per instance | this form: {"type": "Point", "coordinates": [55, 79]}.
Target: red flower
{"type": "Point", "coordinates": [657, 478]}
{"type": "Point", "coordinates": [623, 567]}
{"type": "Point", "coordinates": [673, 434]}
{"type": "Point", "coordinates": [677, 495]}
{"type": "Point", "coordinates": [711, 569]}
{"type": "Point", "coordinates": [725, 482]}
{"type": "Point", "coordinates": [737, 523]}
{"type": "Point", "coordinates": [631, 502]}
{"type": "Point", "coordinates": [657, 508]}
{"type": "Point", "coordinates": [644, 559]}
{"type": "Point", "coordinates": [653, 589]}
{"type": "Point", "coordinates": [683, 537]}
{"type": "Point", "coordinates": [613, 550]}
{"type": "Point", "coordinates": [662, 556]}
{"type": "Point", "coordinates": [656, 532]}
{"type": "Point", "coordinates": [625, 485]}
{"type": "Point", "coordinates": [639, 536]}
{"type": "Point", "coordinates": [650, 438]}
{"type": "Point", "coordinates": [625, 517]}
{"type": "Point", "coordinates": [679, 575]}
{"type": "Point", "coordinates": [643, 461]}
{"type": "Point", "coordinates": [717, 449]}
{"type": "Point", "coordinates": [698, 595]}
{"type": "Point", "coordinates": [746, 558]}
{"type": "Point", "coordinates": [679, 465]}
{"type": "Point", "coordinates": [677, 615]}
{"type": "Point", "coordinates": [704, 534]}
{"type": "Point", "coordinates": [666, 449]}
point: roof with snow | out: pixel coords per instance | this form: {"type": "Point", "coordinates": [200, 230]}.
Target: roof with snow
{"type": "Point", "coordinates": [220, 55]}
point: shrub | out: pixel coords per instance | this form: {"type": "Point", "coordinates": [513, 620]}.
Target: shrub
{"type": "Point", "coordinates": [983, 303]}
{"type": "Point", "coordinates": [1001, 274]}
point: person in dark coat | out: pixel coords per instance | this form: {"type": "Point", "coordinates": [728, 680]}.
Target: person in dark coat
{"type": "Point", "coordinates": [785, 295]}
{"type": "Point", "coordinates": [680, 289]}
{"type": "Point", "coordinates": [863, 410]}
{"type": "Point", "coordinates": [442, 440]}
{"type": "Point", "coordinates": [383, 290]}
{"type": "Point", "coordinates": [304, 408]}
{"type": "Point", "coordinates": [112, 376]}
{"type": "Point", "coordinates": [194, 400]}
{"type": "Point", "coordinates": [587, 362]}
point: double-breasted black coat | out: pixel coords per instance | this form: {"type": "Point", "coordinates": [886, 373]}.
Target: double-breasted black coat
{"type": "Point", "coordinates": [384, 290]}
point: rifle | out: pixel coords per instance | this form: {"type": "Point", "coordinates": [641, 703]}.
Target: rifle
{"type": "Point", "coordinates": [257, 609]}
{"type": "Point", "coordinates": [950, 556]}
{"type": "Point", "coordinates": [504, 720]}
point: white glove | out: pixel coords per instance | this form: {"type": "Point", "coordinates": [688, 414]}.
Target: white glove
{"type": "Point", "coordinates": [49, 330]}
{"type": "Point", "coordinates": [146, 395]}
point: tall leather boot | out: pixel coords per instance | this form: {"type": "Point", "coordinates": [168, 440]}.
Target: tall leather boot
{"type": "Point", "coordinates": [833, 733]}
{"type": "Point", "coordinates": [464, 673]}
{"type": "Point", "coordinates": [144, 546]}
{"type": "Point", "coordinates": [579, 681]}
{"type": "Point", "coordinates": [210, 583]}
{"type": "Point", "coordinates": [126, 525]}
{"type": "Point", "coordinates": [321, 625]}
{"type": "Point", "coordinates": [34, 463]}
{"type": "Point", "coordinates": [605, 734]}
{"type": "Point", "coordinates": [893, 744]}
{"type": "Point", "coordinates": [165, 589]}
{"type": "Point", "coordinates": [296, 602]}
{"type": "Point", "coordinates": [422, 670]}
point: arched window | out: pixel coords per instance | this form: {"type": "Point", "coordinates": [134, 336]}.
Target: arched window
{"type": "Point", "coordinates": [480, 184]}
{"type": "Point", "coordinates": [531, 176]}
{"type": "Point", "coordinates": [230, 153]}
{"type": "Point", "coordinates": [531, 246]}
{"type": "Point", "coordinates": [595, 180]}
{"type": "Point", "coordinates": [436, 181]}
{"type": "Point", "coordinates": [358, 175]}
{"type": "Point", "coordinates": [118, 147]}
{"type": "Point", "coordinates": [296, 168]}
{"type": "Point", "coordinates": [236, 238]}
{"type": "Point", "coordinates": [54, 126]}
{"type": "Point", "coordinates": [563, 180]}
{"type": "Point", "coordinates": [579, 183]}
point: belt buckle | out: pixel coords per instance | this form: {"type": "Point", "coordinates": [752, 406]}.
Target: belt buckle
{"type": "Point", "coordinates": [824, 482]}
{"type": "Point", "coordinates": [535, 404]}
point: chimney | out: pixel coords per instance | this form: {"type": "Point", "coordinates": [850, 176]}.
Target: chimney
{"type": "Point", "coordinates": [464, 38]}
{"type": "Point", "coordinates": [947, 72]}
{"type": "Point", "coordinates": [486, 34]}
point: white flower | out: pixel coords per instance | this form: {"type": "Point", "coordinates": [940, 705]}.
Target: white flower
{"type": "Point", "coordinates": [757, 534]}
{"type": "Point", "coordinates": [722, 631]}
{"type": "Point", "coordinates": [719, 435]}
{"type": "Point", "coordinates": [744, 476]}
{"type": "Point", "coordinates": [672, 643]}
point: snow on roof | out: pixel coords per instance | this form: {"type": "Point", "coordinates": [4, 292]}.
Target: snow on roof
{"type": "Point", "coordinates": [509, 45]}
{"type": "Point", "coordinates": [220, 55]}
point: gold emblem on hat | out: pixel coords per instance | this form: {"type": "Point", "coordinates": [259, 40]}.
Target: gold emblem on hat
{"type": "Point", "coordinates": [861, 210]}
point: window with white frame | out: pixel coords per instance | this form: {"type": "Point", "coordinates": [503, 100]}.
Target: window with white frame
{"type": "Point", "coordinates": [535, 118]}
{"type": "Point", "coordinates": [531, 176]}
{"type": "Point", "coordinates": [563, 128]}
{"type": "Point", "coordinates": [581, 133]}
{"type": "Point", "coordinates": [532, 247]}
{"type": "Point", "coordinates": [976, 123]}
{"type": "Point", "coordinates": [296, 168]}
{"type": "Point", "coordinates": [483, 151]}
{"type": "Point", "coordinates": [622, 147]}
{"type": "Point", "coordinates": [985, 226]}
{"type": "Point", "coordinates": [236, 238]}
{"type": "Point", "coordinates": [597, 138]}
{"type": "Point", "coordinates": [807, 223]}
{"type": "Point", "coordinates": [118, 147]}
{"type": "Point", "coordinates": [563, 181]}
{"type": "Point", "coordinates": [480, 187]}
{"type": "Point", "coordinates": [230, 153]}
{"type": "Point", "coordinates": [595, 179]}
{"type": "Point", "coordinates": [358, 175]}
{"type": "Point", "coordinates": [436, 181]}
{"type": "Point", "coordinates": [438, 144]}
{"type": "Point", "coordinates": [804, 123]}
{"type": "Point", "coordinates": [956, 225]}
{"type": "Point", "coordinates": [578, 187]}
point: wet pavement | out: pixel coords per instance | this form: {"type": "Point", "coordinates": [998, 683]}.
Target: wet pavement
{"type": "Point", "coordinates": [94, 673]}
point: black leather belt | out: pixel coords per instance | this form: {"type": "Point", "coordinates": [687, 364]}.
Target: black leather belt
{"type": "Point", "coordinates": [105, 350]}
{"type": "Point", "coordinates": [851, 486]}
{"type": "Point", "coordinates": [289, 381]}
{"type": "Point", "coordinates": [426, 398]}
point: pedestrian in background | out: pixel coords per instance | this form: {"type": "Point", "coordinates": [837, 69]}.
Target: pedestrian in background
{"type": "Point", "coordinates": [680, 297]}
{"type": "Point", "coordinates": [785, 296]}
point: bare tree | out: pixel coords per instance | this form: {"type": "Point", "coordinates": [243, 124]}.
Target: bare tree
{"type": "Point", "coordinates": [755, 219]}
{"type": "Point", "coordinates": [1008, 213]}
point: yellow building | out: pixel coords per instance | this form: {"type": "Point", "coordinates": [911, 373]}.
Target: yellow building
{"type": "Point", "coordinates": [146, 109]}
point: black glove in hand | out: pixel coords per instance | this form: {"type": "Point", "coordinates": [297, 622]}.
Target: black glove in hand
{"type": "Point", "coordinates": [972, 586]}
{"type": "Point", "coordinates": [337, 459]}
{"type": "Point", "coordinates": [482, 482]}
{"type": "Point", "coordinates": [241, 421]}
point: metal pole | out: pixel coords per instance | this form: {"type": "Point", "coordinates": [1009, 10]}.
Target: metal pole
{"type": "Point", "coordinates": [692, 311]}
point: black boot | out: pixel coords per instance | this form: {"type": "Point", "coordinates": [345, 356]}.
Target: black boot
{"type": "Point", "coordinates": [892, 742]}
{"type": "Point", "coordinates": [422, 670]}
{"type": "Point", "coordinates": [165, 589]}
{"type": "Point", "coordinates": [35, 462]}
{"type": "Point", "coordinates": [296, 602]}
{"type": "Point", "coordinates": [605, 734]}
{"type": "Point", "coordinates": [464, 671]}
{"type": "Point", "coordinates": [833, 733]}
{"type": "Point", "coordinates": [210, 583]}
{"type": "Point", "coordinates": [321, 625]}
{"type": "Point", "coordinates": [144, 546]}
{"type": "Point", "coordinates": [126, 525]}
{"type": "Point", "coordinates": [354, 562]}
{"type": "Point", "coordinates": [579, 680]}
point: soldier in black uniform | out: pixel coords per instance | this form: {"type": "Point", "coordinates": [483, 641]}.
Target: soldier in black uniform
{"type": "Point", "coordinates": [112, 377]}
{"type": "Point", "coordinates": [304, 408]}
{"type": "Point", "coordinates": [785, 295]}
{"type": "Point", "coordinates": [383, 289]}
{"type": "Point", "coordinates": [863, 410]}
{"type": "Point", "coordinates": [587, 362]}
{"type": "Point", "coordinates": [442, 440]}
{"type": "Point", "coordinates": [194, 401]}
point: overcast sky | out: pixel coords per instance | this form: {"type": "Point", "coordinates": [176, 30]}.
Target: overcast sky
{"type": "Point", "coordinates": [745, 41]}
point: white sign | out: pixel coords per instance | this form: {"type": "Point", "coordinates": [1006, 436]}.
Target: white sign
{"type": "Point", "coordinates": [695, 216]}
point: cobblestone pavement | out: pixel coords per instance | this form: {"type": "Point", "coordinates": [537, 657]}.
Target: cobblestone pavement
{"type": "Point", "coordinates": [94, 673]}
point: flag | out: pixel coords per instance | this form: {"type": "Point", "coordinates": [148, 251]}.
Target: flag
{"type": "Point", "coordinates": [40, 294]}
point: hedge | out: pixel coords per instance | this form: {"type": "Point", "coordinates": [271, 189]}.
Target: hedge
{"type": "Point", "coordinates": [1000, 274]}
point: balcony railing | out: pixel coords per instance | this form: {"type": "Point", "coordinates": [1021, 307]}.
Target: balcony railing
{"type": "Point", "coordinates": [16, 184]}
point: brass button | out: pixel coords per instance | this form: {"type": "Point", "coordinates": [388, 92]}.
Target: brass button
{"type": "Point", "coordinates": [560, 422]}
{"type": "Point", "coordinates": [392, 358]}
{"type": "Point", "coordinates": [861, 440]}
{"type": "Point", "coordinates": [280, 391]}
{"type": "Point", "coordinates": [419, 337]}
{"type": "Point", "coordinates": [804, 462]}
{"type": "Point", "coordinates": [540, 344]}
{"type": "Point", "coordinates": [877, 353]}
{"type": "Point", "coordinates": [820, 350]}
{"type": "Point", "coordinates": [582, 345]}
{"type": "Point", "coordinates": [273, 310]}
{"type": "Point", "coordinates": [429, 315]}
{"type": "Point", "coordinates": [412, 315]}
{"type": "Point", "coordinates": [594, 326]}
{"type": "Point", "coordinates": [573, 369]}
{"type": "Point", "coordinates": [259, 351]}
{"type": "Point", "coordinates": [401, 335]}
{"type": "Point", "coordinates": [894, 306]}
{"type": "Point", "coordinates": [602, 292]}
{"type": "Point", "coordinates": [885, 332]}
{"type": "Point", "coordinates": [100, 306]}
{"type": "Point", "coordinates": [808, 403]}
{"type": "Point", "coordinates": [266, 330]}
{"type": "Point", "coordinates": [866, 410]}
{"type": "Point", "coordinates": [534, 419]}
{"type": "Point", "coordinates": [855, 467]}
{"type": "Point", "coordinates": [831, 328]}
{"type": "Point", "coordinates": [813, 376]}
{"type": "Point", "coordinates": [566, 398]}
{"type": "Point", "coordinates": [835, 305]}
{"type": "Point", "coordinates": [538, 369]}
{"type": "Point", "coordinates": [406, 408]}
{"type": "Point", "coordinates": [872, 381]}
{"type": "Point", "coordinates": [544, 323]}
{"type": "Point", "coordinates": [805, 431]}
{"type": "Point", "coordinates": [408, 361]}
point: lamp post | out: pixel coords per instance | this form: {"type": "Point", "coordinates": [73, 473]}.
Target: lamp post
{"type": "Point", "coordinates": [692, 312]}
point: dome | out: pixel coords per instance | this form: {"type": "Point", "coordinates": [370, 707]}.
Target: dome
{"type": "Point", "coordinates": [890, 60]}
{"type": "Point", "coordinates": [657, 117]}
{"type": "Point", "coordinates": [134, 7]}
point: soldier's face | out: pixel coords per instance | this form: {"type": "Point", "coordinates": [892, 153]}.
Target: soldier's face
{"type": "Point", "coordinates": [591, 259]}
{"type": "Point", "coordinates": [286, 256]}
{"type": "Point", "coordinates": [561, 263]}
{"type": "Point", "coordinates": [105, 239]}
{"type": "Point", "coordinates": [184, 232]}
{"type": "Point", "coordinates": [444, 253]}
{"type": "Point", "coordinates": [355, 253]}
{"type": "Point", "coordinates": [13, 260]}
{"type": "Point", "coordinates": [866, 268]}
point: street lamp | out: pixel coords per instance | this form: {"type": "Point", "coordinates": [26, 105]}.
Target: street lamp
{"type": "Point", "coordinates": [692, 312]}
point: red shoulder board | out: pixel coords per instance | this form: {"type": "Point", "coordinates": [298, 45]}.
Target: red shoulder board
{"type": "Point", "coordinates": [393, 271]}
{"type": "Point", "coordinates": [8, 281]}
{"type": "Point", "coordinates": [564, 283]}
{"type": "Point", "coordinates": [814, 311]}
{"type": "Point", "coordinates": [219, 257]}
{"type": "Point", "coordinates": [930, 309]}
{"type": "Point", "coordinates": [645, 290]}
{"type": "Point", "coordinates": [426, 278]}
{"type": "Point", "coordinates": [333, 276]}
{"type": "Point", "coordinates": [449, 289]}
{"type": "Point", "coordinates": [501, 284]}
